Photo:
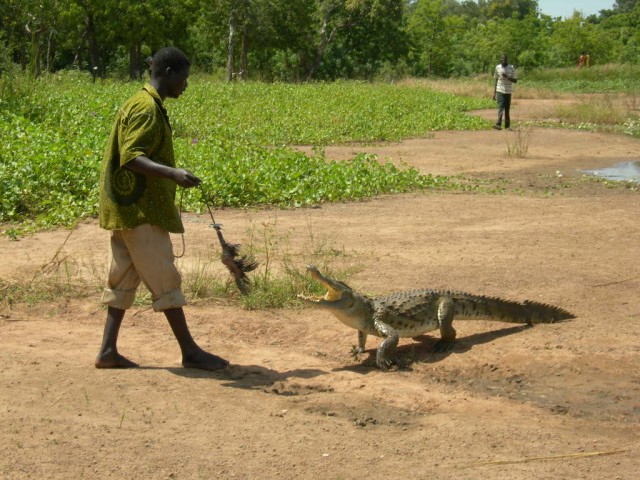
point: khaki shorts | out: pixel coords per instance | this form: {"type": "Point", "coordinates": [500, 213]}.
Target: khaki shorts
{"type": "Point", "coordinates": [145, 254]}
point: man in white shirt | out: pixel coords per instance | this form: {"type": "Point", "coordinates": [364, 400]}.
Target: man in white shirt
{"type": "Point", "coordinates": [505, 76]}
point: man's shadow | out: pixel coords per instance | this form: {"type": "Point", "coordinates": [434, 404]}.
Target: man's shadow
{"type": "Point", "coordinates": [422, 350]}
{"type": "Point", "coordinates": [249, 377]}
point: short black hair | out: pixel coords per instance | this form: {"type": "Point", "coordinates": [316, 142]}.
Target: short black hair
{"type": "Point", "coordinates": [169, 57]}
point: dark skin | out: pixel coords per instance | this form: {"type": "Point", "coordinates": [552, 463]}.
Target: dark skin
{"type": "Point", "coordinates": [504, 61]}
{"type": "Point", "coordinates": [168, 84]}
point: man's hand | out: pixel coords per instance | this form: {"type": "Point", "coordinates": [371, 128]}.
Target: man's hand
{"type": "Point", "coordinates": [185, 178]}
{"type": "Point", "coordinates": [146, 166]}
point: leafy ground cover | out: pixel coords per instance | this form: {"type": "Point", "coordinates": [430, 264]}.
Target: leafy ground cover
{"type": "Point", "coordinates": [238, 137]}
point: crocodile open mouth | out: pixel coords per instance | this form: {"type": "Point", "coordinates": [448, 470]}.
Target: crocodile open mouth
{"type": "Point", "coordinates": [332, 294]}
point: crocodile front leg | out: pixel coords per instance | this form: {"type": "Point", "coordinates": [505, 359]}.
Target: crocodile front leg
{"type": "Point", "coordinates": [362, 343]}
{"type": "Point", "coordinates": [386, 350]}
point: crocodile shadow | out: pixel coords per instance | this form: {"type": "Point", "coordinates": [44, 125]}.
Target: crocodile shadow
{"type": "Point", "coordinates": [422, 349]}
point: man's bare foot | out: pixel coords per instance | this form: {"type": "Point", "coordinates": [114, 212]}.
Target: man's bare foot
{"type": "Point", "coordinates": [114, 360]}
{"type": "Point", "coordinates": [204, 361]}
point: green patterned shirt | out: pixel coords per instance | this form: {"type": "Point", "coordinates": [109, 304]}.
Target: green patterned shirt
{"type": "Point", "coordinates": [129, 199]}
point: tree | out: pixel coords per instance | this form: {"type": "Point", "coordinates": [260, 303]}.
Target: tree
{"type": "Point", "coordinates": [625, 6]}
{"type": "Point", "coordinates": [241, 19]}
{"type": "Point", "coordinates": [624, 28]}
{"type": "Point", "coordinates": [29, 27]}
{"type": "Point", "coordinates": [431, 33]}
{"type": "Point", "coordinates": [89, 15]}
{"type": "Point", "coordinates": [511, 8]}
{"type": "Point", "coordinates": [372, 36]}
{"type": "Point", "coordinates": [574, 35]}
{"type": "Point", "coordinates": [329, 18]}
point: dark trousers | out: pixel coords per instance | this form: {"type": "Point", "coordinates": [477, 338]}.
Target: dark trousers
{"type": "Point", "coordinates": [504, 105]}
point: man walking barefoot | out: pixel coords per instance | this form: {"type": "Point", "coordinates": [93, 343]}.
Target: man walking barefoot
{"type": "Point", "coordinates": [138, 181]}
{"type": "Point", "coordinates": [505, 76]}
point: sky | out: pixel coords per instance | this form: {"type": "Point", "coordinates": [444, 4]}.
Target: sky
{"type": "Point", "coordinates": [565, 8]}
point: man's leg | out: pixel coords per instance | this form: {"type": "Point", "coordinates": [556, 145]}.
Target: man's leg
{"type": "Point", "coordinates": [152, 253]}
{"type": "Point", "coordinates": [122, 284]}
{"type": "Point", "coordinates": [507, 110]}
{"type": "Point", "coordinates": [192, 355]}
{"type": "Point", "coordinates": [500, 99]}
{"type": "Point", "coordinates": [108, 356]}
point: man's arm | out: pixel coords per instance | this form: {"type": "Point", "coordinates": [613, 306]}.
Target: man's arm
{"type": "Point", "coordinates": [145, 166]}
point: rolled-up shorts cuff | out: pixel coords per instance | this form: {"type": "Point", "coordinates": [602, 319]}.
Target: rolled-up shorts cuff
{"type": "Point", "coordinates": [121, 299]}
{"type": "Point", "coordinates": [172, 299]}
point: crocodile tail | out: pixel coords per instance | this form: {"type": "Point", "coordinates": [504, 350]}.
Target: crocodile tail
{"type": "Point", "coordinates": [471, 306]}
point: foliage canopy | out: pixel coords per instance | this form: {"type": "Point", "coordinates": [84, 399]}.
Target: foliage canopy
{"type": "Point", "coordinates": [298, 40]}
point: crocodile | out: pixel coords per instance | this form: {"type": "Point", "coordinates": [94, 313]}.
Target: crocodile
{"type": "Point", "coordinates": [414, 312]}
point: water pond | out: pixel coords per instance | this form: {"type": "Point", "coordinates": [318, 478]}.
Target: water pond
{"type": "Point", "coordinates": [626, 171]}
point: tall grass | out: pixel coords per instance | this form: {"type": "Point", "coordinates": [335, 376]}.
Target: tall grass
{"type": "Point", "coordinates": [280, 277]}
{"type": "Point", "coordinates": [518, 140]}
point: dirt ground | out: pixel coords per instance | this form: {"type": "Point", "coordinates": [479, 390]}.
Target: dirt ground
{"type": "Point", "coordinates": [553, 401]}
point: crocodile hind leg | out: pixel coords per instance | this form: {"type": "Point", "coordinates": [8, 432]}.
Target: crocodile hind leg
{"type": "Point", "coordinates": [385, 356]}
{"type": "Point", "coordinates": [445, 322]}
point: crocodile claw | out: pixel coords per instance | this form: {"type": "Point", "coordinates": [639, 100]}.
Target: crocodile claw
{"type": "Point", "coordinates": [384, 363]}
{"type": "Point", "coordinates": [356, 351]}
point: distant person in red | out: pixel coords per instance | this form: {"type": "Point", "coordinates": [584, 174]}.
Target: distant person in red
{"type": "Point", "coordinates": [581, 60]}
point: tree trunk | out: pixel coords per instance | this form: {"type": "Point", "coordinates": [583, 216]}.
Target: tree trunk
{"type": "Point", "coordinates": [230, 47]}
{"type": "Point", "coordinates": [135, 62]}
{"type": "Point", "coordinates": [36, 54]}
{"type": "Point", "coordinates": [94, 55]}
{"type": "Point", "coordinates": [244, 63]}
{"type": "Point", "coordinates": [23, 56]}
{"type": "Point", "coordinates": [325, 39]}
{"type": "Point", "coordinates": [50, 43]}
{"type": "Point", "coordinates": [36, 50]}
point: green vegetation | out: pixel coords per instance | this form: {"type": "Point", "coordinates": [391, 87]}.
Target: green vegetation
{"type": "Point", "coordinates": [237, 137]}
{"type": "Point", "coordinates": [301, 40]}
{"type": "Point", "coordinates": [610, 78]}
{"type": "Point", "coordinates": [608, 99]}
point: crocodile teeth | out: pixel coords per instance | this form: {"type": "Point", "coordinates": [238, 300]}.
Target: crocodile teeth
{"type": "Point", "coordinates": [330, 296]}
{"type": "Point", "coordinates": [310, 299]}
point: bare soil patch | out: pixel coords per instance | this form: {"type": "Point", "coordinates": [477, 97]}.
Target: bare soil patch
{"type": "Point", "coordinates": [553, 401]}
